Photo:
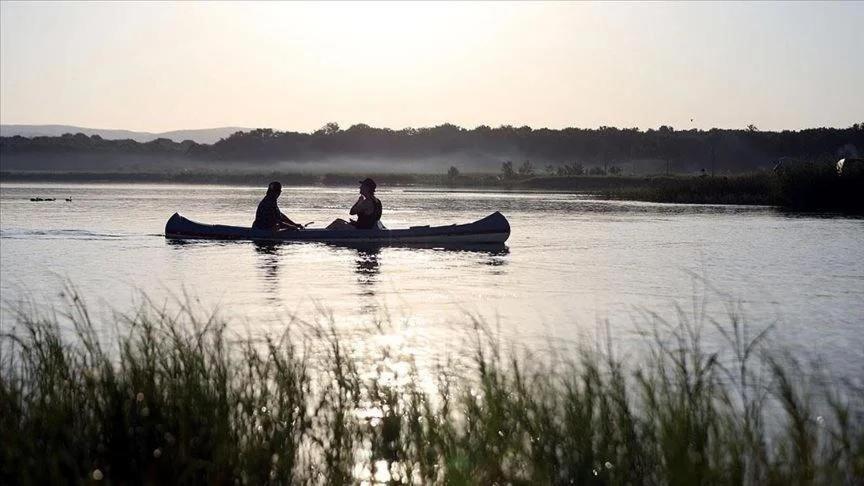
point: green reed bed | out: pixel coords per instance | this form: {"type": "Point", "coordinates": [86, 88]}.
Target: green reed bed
{"type": "Point", "coordinates": [175, 398]}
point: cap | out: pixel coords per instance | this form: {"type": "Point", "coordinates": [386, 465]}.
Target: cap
{"type": "Point", "coordinates": [368, 182]}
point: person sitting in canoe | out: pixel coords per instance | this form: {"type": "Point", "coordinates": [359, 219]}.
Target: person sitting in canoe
{"type": "Point", "coordinates": [268, 216]}
{"type": "Point", "coordinates": [367, 209]}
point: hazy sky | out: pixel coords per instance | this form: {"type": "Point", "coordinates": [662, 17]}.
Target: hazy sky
{"type": "Point", "coordinates": [162, 66]}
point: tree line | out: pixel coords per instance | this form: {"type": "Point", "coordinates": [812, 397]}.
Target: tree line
{"type": "Point", "coordinates": [568, 151]}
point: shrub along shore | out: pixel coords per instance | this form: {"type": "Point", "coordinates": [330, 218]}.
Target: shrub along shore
{"type": "Point", "coordinates": [178, 399]}
{"type": "Point", "coordinates": [800, 187]}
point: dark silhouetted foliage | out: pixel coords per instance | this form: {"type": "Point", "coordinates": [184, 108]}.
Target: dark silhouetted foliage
{"type": "Point", "coordinates": [678, 150]}
{"type": "Point", "coordinates": [507, 171]}
{"type": "Point", "coordinates": [179, 398]}
{"type": "Point", "coordinates": [526, 169]}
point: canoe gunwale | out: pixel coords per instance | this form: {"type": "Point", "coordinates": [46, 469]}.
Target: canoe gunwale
{"type": "Point", "coordinates": [491, 229]}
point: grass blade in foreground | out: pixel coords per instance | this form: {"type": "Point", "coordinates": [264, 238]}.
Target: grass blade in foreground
{"type": "Point", "coordinates": [178, 401]}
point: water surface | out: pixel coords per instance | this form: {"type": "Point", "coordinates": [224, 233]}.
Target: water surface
{"type": "Point", "coordinates": [571, 264]}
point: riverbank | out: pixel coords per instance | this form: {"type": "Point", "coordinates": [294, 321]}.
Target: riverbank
{"type": "Point", "coordinates": [179, 396]}
{"type": "Point", "coordinates": [804, 187]}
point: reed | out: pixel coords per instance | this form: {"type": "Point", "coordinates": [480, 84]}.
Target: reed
{"type": "Point", "coordinates": [175, 397]}
{"type": "Point", "coordinates": [807, 186]}
{"type": "Point", "coordinates": [756, 188]}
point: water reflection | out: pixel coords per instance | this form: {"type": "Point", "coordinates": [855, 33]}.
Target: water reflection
{"type": "Point", "coordinates": [496, 260]}
{"type": "Point", "coordinates": [364, 261]}
{"type": "Point", "coordinates": [367, 268]}
{"type": "Point", "coordinates": [368, 255]}
{"type": "Point", "coordinates": [268, 263]}
{"type": "Point", "coordinates": [793, 214]}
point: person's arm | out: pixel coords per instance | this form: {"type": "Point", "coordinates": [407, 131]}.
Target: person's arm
{"type": "Point", "coordinates": [286, 220]}
{"type": "Point", "coordinates": [356, 205]}
{"type": "Point", "coordinates": [361, 206]}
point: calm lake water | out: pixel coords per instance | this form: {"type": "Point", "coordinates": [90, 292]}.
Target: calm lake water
{"type": "Point", "coordinates": [571, 264]}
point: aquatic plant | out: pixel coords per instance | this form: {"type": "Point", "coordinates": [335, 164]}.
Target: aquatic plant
{"type": "Point", "coordinates": [176, 397]}
{"type": "Point", "coordinates": [756, 188]}
{"type": "Point", "coordinates": [807, 186]}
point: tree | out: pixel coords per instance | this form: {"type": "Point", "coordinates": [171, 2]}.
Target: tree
{"type": "Point", "coordinates": [507, 170]}
{"type": "Point", "coordinates": [574, 169]}
{"type": "Point", "coordinates": [328, 129]}
{"type": "Point", "coordinates": [526, 169]}
{"type": "Point", "coordinates": [687, 151]}
{"type": "Point", "coordinates": [615, 170]}
{"type": "Point", "coordinates": [453, 172]}
{"type": "Point", "coordinates": [597, 170]}
{"type": "Point", "coordinates": [550, 169]}
{"type": "Point", "coordinates": [577, 169]}
{"type": "Point", "coordinates": [752, 128]}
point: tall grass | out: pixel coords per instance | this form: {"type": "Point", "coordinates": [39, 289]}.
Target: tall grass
{"type": "Point", "coordinates": [819, 186]}
{"type": "Point", "coordinates": [810, 186]}
{"type": "Point", "coordinates": [175, 398]}
{"type": "Point", "coordinates": [756, 188]}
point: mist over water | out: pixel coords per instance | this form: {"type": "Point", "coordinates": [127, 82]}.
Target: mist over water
{"type": "Point", "coordinates": [572, 263]}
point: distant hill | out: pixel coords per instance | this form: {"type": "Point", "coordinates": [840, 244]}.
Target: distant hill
{"type": "Point", "coordinates": [204, 135]}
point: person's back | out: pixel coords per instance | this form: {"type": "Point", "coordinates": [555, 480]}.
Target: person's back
{"type": "Point", "coordinates": [268, 216]}
{"type": "Point", "coordinates": [369, 219]}
{"type": "Point", "coordinates": [368, 209]}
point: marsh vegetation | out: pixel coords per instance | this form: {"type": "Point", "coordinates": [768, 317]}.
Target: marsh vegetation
{"type": "Point", "coordinates": [179, 397]}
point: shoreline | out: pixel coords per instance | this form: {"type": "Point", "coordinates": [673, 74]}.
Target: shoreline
{"type": "Point", "coordinates": [809, 188]}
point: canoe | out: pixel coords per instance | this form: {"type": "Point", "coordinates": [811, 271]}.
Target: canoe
{"type": "Point", "coordinates": [491, 229]}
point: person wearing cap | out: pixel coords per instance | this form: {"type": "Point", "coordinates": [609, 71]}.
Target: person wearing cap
{"type": "Point", "coordinates": [367, 209]}
{"type": "Point", "coordinates": [268, 216]}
